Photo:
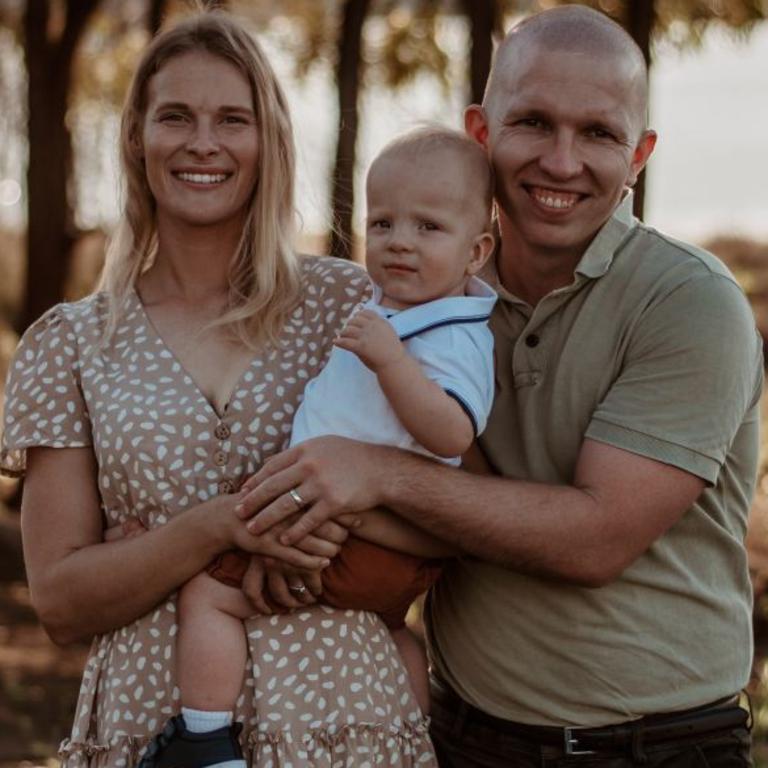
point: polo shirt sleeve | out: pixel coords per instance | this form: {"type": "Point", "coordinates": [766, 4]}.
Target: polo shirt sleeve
{"type": "Point", "coordinates": [459, 358]}
{"type": "Point", "coordinates": [691, 371]}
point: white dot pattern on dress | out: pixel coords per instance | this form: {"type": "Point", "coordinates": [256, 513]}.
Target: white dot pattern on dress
{"type": "Point", "coordinates": [323, 687]}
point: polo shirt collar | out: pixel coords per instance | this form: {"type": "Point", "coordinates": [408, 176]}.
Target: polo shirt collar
{"type": "Point", "coordinates": [595, 261]}
{"type": "Point", "coordinates": [599, 255]}
{"type": "Point", "coordinates": [474, 307]}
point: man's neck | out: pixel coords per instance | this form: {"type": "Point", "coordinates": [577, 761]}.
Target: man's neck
{"type": "Point", "coordinates": [530, 273]}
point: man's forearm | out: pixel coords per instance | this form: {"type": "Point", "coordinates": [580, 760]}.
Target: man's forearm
{"type": "Point", "coordinates": [587, 532]}
{"type": "Point", "coordinates": [530, 527]}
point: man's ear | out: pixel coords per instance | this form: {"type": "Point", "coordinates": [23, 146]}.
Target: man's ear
{"type": "Point", "coordinates": [476, 124]}
{"type": "Point", "coordinates": [482, 248]}
{"type": "Point", "coordinates": [640, 156]}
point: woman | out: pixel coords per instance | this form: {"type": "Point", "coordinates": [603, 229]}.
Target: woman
{"type": "Point", "coordinates": [153, 399]}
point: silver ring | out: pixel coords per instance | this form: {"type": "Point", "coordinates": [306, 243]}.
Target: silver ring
{"type": "Point", "coordinates": [294, 494]}
{"type": "Point", "coordinates": [298, 590]}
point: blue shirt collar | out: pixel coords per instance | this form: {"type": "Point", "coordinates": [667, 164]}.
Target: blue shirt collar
{"type": "Point", "coordinates": [474, 307]}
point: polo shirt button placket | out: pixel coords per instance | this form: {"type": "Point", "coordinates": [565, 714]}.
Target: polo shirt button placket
{"type": "Point", "coordinates": [532, 340]}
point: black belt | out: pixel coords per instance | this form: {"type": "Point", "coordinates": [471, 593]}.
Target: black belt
{"type": "Point", "coordinates": [720, 715]}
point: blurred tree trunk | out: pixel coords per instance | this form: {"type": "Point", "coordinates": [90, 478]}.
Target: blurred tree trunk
{"type": "Point", "coordinates": [348, 75]}
{"type": "Point", "coordinates": [483, 22]}
{"type": "Point", "coordinates": [155, 15]}
{"type": "Point", "coordinates": [50, 221]}
{"type": "Point", "coordinates": [639, 22]}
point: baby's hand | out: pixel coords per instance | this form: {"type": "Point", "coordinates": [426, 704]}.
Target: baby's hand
{"type": "Point", "coordinates": [372, 339]}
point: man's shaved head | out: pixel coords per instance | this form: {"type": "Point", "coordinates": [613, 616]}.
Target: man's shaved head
{"type": "Point", "coordinates": [573, 29]}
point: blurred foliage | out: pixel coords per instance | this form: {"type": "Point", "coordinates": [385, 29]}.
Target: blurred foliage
{"type": "Point", "coordinates": [684, 22]}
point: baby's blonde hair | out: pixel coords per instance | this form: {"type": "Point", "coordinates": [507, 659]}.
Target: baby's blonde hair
{"type": "Point", "coordinates": [427, 139]}
{"type": "Point", "coordinates": [264, 274]}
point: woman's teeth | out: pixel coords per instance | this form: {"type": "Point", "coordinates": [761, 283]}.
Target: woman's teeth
{"type": "Point", "coordinates": [203, 178]}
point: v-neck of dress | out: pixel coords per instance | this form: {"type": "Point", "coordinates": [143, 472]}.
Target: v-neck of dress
{"type": "Point", "coordinates": [188, 377]}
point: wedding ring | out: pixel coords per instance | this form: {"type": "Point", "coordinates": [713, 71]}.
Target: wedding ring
{"type": "Point", "coordinates": [298, 590]}
{"type": "Point", "coordinates": [294, 494]}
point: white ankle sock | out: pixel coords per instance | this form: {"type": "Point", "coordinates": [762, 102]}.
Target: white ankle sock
{"type": "Point", "coordinates": [202, 721]}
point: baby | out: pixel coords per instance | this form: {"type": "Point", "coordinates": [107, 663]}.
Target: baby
{"type": "Point", "coordinates": [413, 368]}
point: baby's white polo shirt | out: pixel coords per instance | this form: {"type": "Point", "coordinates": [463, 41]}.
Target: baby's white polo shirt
{"type": "Point", "coordinates": [451, 340]}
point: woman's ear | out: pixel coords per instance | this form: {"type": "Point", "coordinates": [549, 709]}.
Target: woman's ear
{"type": "Point", "coordinates": [482, 248]}
{"type": "Point", "coordinates": [135, 142]}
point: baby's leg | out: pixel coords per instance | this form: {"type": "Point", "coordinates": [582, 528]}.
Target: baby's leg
{"type": "Point", "coordinates": [415, 660]}
{"type": "Point", "coordinates": [212, 649]}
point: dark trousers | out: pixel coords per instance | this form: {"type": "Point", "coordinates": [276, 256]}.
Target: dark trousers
{"type": "Point", "coordinates": [462, 742]}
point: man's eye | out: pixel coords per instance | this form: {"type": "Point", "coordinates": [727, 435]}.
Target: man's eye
{"type": "Point", "coordinates": [531, 122]}
{"type": "Point", "coordinates": [597, 132]}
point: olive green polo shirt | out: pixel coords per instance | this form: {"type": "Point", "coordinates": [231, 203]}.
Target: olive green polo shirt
{"type": "Point", "coordinates": [652, 348]}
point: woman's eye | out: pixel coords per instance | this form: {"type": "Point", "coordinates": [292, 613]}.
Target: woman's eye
{"type": "Point", "coordinates": [379, 224]}
{"type": "Point", "coordinates": [234, 120]}
{"type": "Point", "coordinates": [172, 117]}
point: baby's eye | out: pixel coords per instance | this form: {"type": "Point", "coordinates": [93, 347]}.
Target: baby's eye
{"type": "Point", "coordinates": [429, 226]}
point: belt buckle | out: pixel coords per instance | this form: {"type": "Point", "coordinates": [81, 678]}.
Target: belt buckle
{"type": "Point", "coordinates": [571, 742]}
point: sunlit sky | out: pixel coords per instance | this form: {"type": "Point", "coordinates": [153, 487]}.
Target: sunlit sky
{"type": "Point", "coordinates": [709, 174]}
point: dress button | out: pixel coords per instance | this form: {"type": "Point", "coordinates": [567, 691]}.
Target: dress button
{"type": "Point", "coordinates": [220, 458]}
{"type": "Point", "coordinates": [222, 431]}
{"type": "Point", "coordinates": [531, 340]}
{"type": "Point", "coordinates": [226, 486]}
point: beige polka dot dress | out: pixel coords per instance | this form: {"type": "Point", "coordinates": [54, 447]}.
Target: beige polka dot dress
{"type": "Point", "coordinates": [323, 687]}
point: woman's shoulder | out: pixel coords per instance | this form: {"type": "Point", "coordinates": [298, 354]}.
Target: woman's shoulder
{"type": "Point", "coordinates": [71, 317]}
{"type": "Point", "coordinates": [72, 328]}
{"type": "Point", "coordinates": [336, 277]}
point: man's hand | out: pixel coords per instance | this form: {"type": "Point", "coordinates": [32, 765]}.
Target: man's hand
{"type": "Point", "coordinates": [372, 339]}
{"type": "Point", "coordinates": [333, 476]}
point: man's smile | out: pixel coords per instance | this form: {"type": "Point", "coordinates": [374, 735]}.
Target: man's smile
{"type": "Point", "coordinates": [553, 199]}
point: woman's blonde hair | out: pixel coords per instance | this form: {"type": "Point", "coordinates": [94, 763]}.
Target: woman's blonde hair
{"type": "Point", "coordinates": [264, 274]}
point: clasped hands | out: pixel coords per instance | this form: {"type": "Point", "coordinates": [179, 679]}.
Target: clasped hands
{"type": "Point", "coordinates": [296, 538]}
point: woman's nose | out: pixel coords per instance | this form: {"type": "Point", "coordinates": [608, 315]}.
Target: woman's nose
{"type": "Point", "coordinates": [203, 139]}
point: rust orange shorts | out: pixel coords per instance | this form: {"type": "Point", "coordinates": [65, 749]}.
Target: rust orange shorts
{"type": "Point", "coordinates": [362, 576]}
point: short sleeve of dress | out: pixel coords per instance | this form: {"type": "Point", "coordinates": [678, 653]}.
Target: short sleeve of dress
{"type": "Point", "coordinates": [459, 357]}
{"type": "Point", "coordinates": [44, 403]}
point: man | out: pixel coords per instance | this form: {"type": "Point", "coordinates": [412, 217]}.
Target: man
{"type": "Point", "coordinates": [603, 605]}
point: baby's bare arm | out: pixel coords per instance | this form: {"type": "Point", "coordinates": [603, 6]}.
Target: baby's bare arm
{"type": "Point", "coordinates": [432, 417]}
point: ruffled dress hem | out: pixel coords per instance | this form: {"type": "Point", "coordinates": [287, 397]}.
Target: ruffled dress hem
{"type": "Point", "coordinates": [332, 746]}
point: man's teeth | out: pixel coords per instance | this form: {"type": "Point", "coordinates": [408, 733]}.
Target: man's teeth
{"type": "Point", "coordinates": [551, 199]}
{"type": "Point", "coordinates": [203, 178]}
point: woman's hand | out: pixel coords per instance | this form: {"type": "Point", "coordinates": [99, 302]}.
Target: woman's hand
{"type": "Point", "coordinates": [285, 586]}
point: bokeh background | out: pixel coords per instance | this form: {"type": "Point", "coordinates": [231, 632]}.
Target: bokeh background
{"type": "Point", "coordinates": [356, 73]}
